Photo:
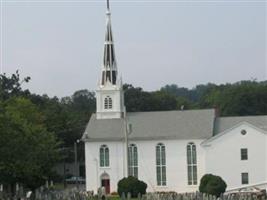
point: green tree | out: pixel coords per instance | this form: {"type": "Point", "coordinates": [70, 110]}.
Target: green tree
{"type": "Point", "coordinates": [184, 103]}
{"type": "Point", "coordinates": [67, 118]}
{"type": "Point", "coordinates": [191, 95]}
{"type": "Point", "coordinates": [138, 100]}
{"type": "Point", "coordinates": [134, 98]}
{"type": "Point", "coordinates": [28, 151]}
{"type": "Point", "coordinates": [83, 101]}
{"type": "Point", "coordinates": [175, 90]}
{"type": "Point", "coordinates": [160, 101]}
{"type": "Point", "coordinates": [11, 86]}
{"type": "Point", "coordinates": [239, 99]}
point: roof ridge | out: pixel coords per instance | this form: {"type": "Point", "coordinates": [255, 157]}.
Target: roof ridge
{"type": "Point", "coordinates": [246, 116]}
{"type": "Point", "coordinates": [191, 110]}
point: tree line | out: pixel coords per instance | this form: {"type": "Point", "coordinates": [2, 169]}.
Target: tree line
{"type": "Point", "coordinates": [237, 99]}
{"type": "Point", "coordinates": [37, 131]}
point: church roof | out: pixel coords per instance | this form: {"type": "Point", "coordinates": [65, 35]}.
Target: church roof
{"type": "Point", "coordinates": [187, 124]}
{"type": "Point", "coordinates": [224, 123]}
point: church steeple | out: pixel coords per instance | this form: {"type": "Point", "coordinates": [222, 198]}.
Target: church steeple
{"type": "Point", "coordinates": [109, 69]}
{"type": "Point", "coordinates": [109, 95]}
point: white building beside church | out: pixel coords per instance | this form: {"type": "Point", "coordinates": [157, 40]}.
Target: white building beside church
{"type": "Point", "coordinates": [169, 150]}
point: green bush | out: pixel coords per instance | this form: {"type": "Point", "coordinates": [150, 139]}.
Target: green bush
{"type": "Point", "coordinates": [114, 193]}
{"type": "Point", "coordinates": [131, 185]}
{"type": "Point", "coordinates": [211, 184]}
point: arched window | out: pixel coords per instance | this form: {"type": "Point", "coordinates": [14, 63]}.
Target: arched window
{"type": "Point", "coordinates": [104, 156]}
{"type": "Point", "coordinates": [161, 164]}
{"type": "Point", "coordinates": [133, 160]}
{"type": "Point", "coordinates": [191, 163]}
{"type": "Point", "coordinates": [108, 102]}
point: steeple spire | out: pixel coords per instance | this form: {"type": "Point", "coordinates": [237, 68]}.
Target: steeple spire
{"type": "Point", "coordinates": [109, 69]}
{"type": "Point", "coordinates": [108, 5]}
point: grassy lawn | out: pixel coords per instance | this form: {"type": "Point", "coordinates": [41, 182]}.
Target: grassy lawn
{"type": "Point", "coordinates": [117, 198]}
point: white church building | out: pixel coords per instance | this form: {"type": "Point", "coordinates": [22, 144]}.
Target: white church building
{"type": "Point", "coordinates": [168, 150]}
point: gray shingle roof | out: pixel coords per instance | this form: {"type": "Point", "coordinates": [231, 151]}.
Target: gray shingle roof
{"type": "Point", "coordinates": [224, 123]}
{"type": "Point", "coordinates": [187, 124]}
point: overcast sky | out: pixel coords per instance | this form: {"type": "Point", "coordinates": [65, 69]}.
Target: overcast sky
{"type": "Point", "coordinates": [59, 44]}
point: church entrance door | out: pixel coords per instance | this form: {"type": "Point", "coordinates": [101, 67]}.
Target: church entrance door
{"type": "Point", "coordinates": [105, 182]}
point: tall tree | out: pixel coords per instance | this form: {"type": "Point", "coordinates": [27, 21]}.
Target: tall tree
{"type": "Point", "coordinates": [11, 86]}
{"type": "Point", "coordinates": [28, 151]}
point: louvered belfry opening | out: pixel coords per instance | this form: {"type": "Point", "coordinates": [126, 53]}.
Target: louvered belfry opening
{"type": "Point", "coordinates": [109, 73]}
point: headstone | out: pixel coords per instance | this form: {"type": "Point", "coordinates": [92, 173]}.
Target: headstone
{"type": "Point", "coordinates": [103, 191]}
{"type": "Point", "coordinates": [128, 196]}
{"type": "Point", "coordinates": [28, 194]}
{"type": "Point", "coordinates": [46, 184]}
{"type": "Point", "coordinates": [123, 196]}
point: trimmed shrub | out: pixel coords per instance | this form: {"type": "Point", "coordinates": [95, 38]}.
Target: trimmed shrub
{"type": "Point", "coordinates": [211, 184]}
{"type": "Point", "coordinates": [131, 185]}
{"type": "Point", "coordinates": [114, 193]}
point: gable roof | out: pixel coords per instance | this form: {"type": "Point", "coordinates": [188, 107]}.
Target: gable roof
{"type": "Point", "coordinates": [187, 124]}
{"type": "Point", "coordinates": [224, 123]}
{"type": "Point", "coordinates": [218, 135]}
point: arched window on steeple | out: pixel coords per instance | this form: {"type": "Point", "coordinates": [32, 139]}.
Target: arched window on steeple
{"type": "Point", "coordinates": [191, 163]}
{"type": "Point", "coordinates": [108, 102]}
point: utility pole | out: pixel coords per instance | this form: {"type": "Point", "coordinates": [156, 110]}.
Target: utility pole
{"type": "Point", "coordinates": [65, 151]}
{"type": "Point", "coordinates": [127, 132]}
{"type": "Point", "coordinates": [126, 149]}
{"type": "Point", "coordinates": [76, 163]}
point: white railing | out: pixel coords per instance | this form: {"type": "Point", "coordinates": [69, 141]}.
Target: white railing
{"type": "Point", "coordinates": [262, 185]}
